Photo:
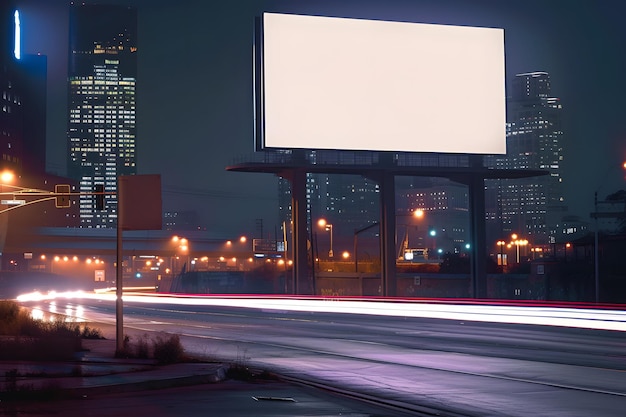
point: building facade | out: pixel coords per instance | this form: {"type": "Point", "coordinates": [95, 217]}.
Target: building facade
{"type": "Point", "coordinates": [530, 207]}
{"type": "Point", "coordinates": [11, 93]}
{"type": "Point", "coordinates": [443, 223]}
{"type": "Point", "coordinates": [23, 145]}
{"type": "Point", "coordinates": [102, 75]}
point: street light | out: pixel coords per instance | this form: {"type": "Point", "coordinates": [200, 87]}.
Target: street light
{"type": "Point", "coordinates": [7, 177]}
{"type": "Point", "coordinates": [329, 228]}
{"type": "Point", "coordinates": [501, 244]}
{"type": "Point", "coordinates": [418, 214]}
{"type": "Point", "coordinates": [182, 246]}
{"type": "Point", "coordinates": [518, 242]}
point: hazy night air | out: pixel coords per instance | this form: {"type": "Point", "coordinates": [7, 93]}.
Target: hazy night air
{"type": "Point", "coordinates": [429, 191]}
{"type": "Point", "coordinates": [195, 112]}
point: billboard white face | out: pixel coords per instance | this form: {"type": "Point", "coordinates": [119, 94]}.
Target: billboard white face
{"type": "Point", "coordinates": [352, 84]}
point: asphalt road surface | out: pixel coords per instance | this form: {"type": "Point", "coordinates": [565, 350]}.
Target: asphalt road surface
{"type": "Point", "coordinates": [430, 365]}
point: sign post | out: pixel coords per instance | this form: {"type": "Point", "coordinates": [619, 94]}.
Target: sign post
{"type": "Point", "coordinates": [139, 208]}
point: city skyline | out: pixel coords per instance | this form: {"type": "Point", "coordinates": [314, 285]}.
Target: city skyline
{"type": "Point", "coordinates": [206, 109]}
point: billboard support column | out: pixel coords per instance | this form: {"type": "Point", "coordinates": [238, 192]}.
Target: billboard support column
{"type": "Point", "coordinates": [298, 216]}
{"type": "Point", "coordinates": [387, 234]}
{"type": "Point", "coordinates": [478, 235]}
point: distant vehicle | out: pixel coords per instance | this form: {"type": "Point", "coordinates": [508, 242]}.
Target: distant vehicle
{"type": "Point", "coordinates": [415, 255]}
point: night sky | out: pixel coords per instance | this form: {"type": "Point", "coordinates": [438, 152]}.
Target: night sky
{"type": "Point", "coordinates": [195, 113]}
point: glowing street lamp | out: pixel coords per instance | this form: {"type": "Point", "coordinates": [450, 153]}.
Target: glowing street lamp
{"type": "Point", "coordinates": [7, 177]}
{"type": "Point", "coordinates": [329, 228]}
{"type": "Point", "coordinates": [182, 246]}
{"type": "Point", "coordinates": [518, 242]}
{"type": "Point", "coordinates": [501, 244]}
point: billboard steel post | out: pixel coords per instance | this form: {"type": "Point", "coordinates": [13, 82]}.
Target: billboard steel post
{"type": "Point", "coordinates": [478, 235]}
{"type": "Point", "coordinates": [298, 215]}
{"type": "Point", "coordinates": [387, 234]}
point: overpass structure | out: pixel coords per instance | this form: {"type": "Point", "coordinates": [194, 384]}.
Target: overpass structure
{"type": "Point", "coordinates": [102, 242]}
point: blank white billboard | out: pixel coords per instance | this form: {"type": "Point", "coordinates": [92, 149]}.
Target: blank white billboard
{"type": "Point", "coordinates": [352, 84]}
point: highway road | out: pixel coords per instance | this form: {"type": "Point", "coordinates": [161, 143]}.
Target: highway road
{"type": "Point", "coordinates": [478, 361]}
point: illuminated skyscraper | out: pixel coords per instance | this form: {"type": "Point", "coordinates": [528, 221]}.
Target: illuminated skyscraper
{"type": "Point", "coordinates": [101, 106]}
{"type": "Point", "coordinates": [532, 206]}
{"type": "Point", "coordinates": [11, 109]}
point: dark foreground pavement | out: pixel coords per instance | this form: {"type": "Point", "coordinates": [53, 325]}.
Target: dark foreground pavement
{"type": "Point", "coordinates": [227, 398]}
{"type": "Point", "coordinates": [96, 384]}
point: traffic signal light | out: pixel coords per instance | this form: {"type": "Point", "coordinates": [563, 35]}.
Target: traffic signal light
{"type": "Point", "coordinates": [63, 200]}
{"type": "Point", "coordinates": [99, 193]}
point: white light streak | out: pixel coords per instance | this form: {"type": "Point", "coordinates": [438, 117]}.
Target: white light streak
{"type": "Point", "coordinates": [586, 318]}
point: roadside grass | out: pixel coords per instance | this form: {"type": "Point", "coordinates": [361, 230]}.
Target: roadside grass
{"type": "Point", "coordinates": [164, 348]}
{"type": "Point", "coordinates": [23, 337]}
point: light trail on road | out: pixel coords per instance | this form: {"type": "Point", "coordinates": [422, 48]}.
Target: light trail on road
{"type": "Point", "coordinates": [585, 318]}
{"type": "Point", "coordinates": [393, 350]}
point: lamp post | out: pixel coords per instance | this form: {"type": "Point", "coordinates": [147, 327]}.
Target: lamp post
{"type": "Point", "coordinates": [417, 214]}
{"type": "Point", "coordinates": [182, 246]}
{"type": "Point", "coordinates": [329, 228]}
{"type": "Point", "coordinates": [501, 244]}
{"type": "Point", "coordinates": [404, 245]}
{"type": "Point", "coordinates": [518, 242]}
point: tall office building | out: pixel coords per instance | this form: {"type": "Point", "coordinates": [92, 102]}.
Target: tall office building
{"type": "Point", "coordinates": [101, 104]}
{"type": "Point", "coordinates": [531, 207]}
{"type": "Point", "coordinates": [11, 109]}
{"type": "Point", "coordinates": [34, 73]}
{"type": "Point", "coordinates": [23, 145]}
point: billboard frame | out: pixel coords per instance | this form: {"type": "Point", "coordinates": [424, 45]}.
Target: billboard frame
{"type": "Point", "coordinates": [260, 109]}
